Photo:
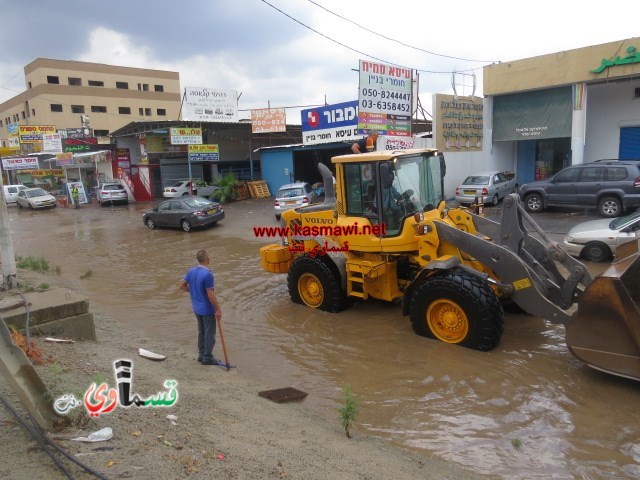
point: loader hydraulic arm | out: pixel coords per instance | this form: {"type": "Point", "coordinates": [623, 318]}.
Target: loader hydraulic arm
{"type": "Point", "coordinates": [525, 266]}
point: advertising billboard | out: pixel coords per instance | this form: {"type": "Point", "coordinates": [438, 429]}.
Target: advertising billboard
{"type": "Point", "coordinates": [332, 123]}
{"type": "Point", "coordinates": [210, 105]}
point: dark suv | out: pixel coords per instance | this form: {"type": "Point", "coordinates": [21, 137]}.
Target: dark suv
{"type": "Point", "coordinates": [610, 186]}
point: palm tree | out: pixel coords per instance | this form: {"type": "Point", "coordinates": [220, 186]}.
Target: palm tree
{"type": "Point", "coordinates": [227, 189]}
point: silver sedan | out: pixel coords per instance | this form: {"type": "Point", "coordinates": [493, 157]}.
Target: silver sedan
{"type": "Point", "coordinates": [597, 240]}
{"type": "Point", "coordinates": [492, 186]}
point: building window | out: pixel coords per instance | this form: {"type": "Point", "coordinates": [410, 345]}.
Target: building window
{"type": "Point", "coordinates": [124, 110]}
{"type": "Point", "coordinates": [56, 107]}
{"type": "Point", "coordinates": [24, 115]}
{"type": "Point", "coordinates": [141, 112]}
{"type": "Point", "coordinates": [98, 108]}
{"type": "Point", "coordinates": [33, 112]}
{"type": "Point", "coordinates": [77, 108]}
{"type": "Point", "coordinates": [0, 123]}
{"type": "Point", "coordinates": [122, 85]}
{"type": "Point", "coordinates": [145, 87]}
{"type": "Point", "coordinates": [53, 80]}
{"type": "Point", "coordinates": [16, 117]}
{"type": "Point", "coordinates": [29, 84]}
{"type": "Point", "coordinates": [158, 88]}
{"type": "Point", "coordinates": [147, 112]}
{"type": "Point", "coordinates": [76, 82]}
{"type": "Point", "coordinates": [636, 93]}
{"type": "Point", "coordinates": [96, 83]}
{"type": "Point", "coordinates": [162, 112]}
{"type": "Point", "coordinates": [101, 133]}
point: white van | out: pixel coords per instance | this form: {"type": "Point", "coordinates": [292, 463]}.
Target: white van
{"type": "Point", "coordinates": [11, 192]}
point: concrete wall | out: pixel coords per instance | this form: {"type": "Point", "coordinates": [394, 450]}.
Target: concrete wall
{"type": "Point", "coordinates": [609, 107]}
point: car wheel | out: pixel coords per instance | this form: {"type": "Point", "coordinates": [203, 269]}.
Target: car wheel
{"type": "Point", "coordinates": [19, 204]}
{"type": "Point", "coordinates": [494, 200]}
{"type": "Point", "coordinates": [185, 194]}
{"type": "Point", "coordinates": [533, 202]}
{"type": "Point", "coordinates": [186, 226]}
{"type": "Point", "coordinates": [515, 188]}
{"type": "Point", "coordinates": [277, 216]}
{"type": "Point", "coordinates": [610, 207]}
{"type": "Point", "coordinates": [151, 224]}
{"type": "Point", "coordinates": [596, 252]}
{"type": "Point", "coordinates": [30, 206]}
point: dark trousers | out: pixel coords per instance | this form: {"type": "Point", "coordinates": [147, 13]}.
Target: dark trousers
{"type": "Point", "coordinates": [206, 336]}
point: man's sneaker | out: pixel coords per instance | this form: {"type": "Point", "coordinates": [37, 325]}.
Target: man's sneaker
{"type": "Point", "coordinates": [211, 362]}
{"type": "Point", "coordinates": [200, 359]}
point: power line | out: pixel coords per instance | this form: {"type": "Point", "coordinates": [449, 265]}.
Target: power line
{"type": "Point", "coordinates": [398, 41]}
{"type": "Point", "coordinates": [347, 46]}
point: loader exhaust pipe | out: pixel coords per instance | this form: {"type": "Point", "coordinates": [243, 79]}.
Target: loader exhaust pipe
{"type": "Point", "coordinates": [327, 179]}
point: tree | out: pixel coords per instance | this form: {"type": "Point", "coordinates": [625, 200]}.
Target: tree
{"type": "Point", "coordinates": [227, 189]}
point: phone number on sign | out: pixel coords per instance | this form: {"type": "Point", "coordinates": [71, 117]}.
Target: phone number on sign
{"type": "Point", "coordinates": [370, 92]}
{"type": "Point", "coordinates": [398, 107]}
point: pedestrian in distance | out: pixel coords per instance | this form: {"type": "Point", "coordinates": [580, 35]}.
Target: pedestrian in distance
{"type": "Point", "coordinates": [75, 195]}
{"type": "Point", "coordinates": [199, 283]}
{"type": "Point", "coordinates": [366, 144]}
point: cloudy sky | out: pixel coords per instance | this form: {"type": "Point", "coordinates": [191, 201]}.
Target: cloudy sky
{"type": "Point", "coordinates": [288, 53]}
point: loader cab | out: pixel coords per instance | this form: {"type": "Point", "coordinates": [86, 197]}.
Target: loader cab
{"type": "Point", "coordinates": [388, 191]}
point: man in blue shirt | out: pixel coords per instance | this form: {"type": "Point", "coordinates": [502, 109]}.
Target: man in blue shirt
{"type": "Point", "coordinates": [199, 283]}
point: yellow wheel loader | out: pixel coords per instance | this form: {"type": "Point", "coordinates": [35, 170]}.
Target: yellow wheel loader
{"type": "Point", "coordinates": [384, 232]}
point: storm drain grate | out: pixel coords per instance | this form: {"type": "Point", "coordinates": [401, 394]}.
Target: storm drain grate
{"type": "Point", "coordinates": [282, 395]}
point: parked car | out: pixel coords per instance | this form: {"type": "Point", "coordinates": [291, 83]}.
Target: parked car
{"type": "Point", "coordinates": [112, 192]}
{"type": "Point", "coordinates": [11, 192]}
{"type": "Point", "coordinates": [491, 186]}
{"type": "Point", "coordinates": [184, 212]}
{"type": "Point", "coordinates": [294, 195]}
{"type": "Point", "coordinates": [178, 189]}
{"type": "Point", "coordinates": [35, 198]}
{"type": "Point", "coordinates": [597, 240]}
{"type": "Point", "coordinates": [609, 186]}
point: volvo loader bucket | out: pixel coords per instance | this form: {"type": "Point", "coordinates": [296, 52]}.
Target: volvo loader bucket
{"type": "Point", "coordinates": [605, 331]}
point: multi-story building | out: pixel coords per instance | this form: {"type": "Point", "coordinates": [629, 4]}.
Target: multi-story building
{"type": "Point", "coordinates": [58, 92]}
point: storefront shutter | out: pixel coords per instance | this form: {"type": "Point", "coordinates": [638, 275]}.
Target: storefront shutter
{"type": "Point", "coordinates": [532, 115]}
{"type": "Point", "coordinates": [629, 143]}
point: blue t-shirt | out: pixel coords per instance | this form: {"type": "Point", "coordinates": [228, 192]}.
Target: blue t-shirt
{"type": "Point", "coordinates": [200, 279]}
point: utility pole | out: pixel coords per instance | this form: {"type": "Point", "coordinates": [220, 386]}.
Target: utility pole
{"type": "Point", "coordinates": [9, 270]}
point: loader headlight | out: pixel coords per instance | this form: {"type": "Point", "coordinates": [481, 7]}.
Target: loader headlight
{"type": "Point", "coordinates": [418, 217]}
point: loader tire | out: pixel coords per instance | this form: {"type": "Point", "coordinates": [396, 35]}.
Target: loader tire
{"type": "Point", "coordinates": [457, 307]}
{"type": "Point", "coordinates": [313, 283]}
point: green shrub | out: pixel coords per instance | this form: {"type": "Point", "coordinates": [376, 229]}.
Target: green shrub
{"type": "Point", "coordinates": [349, 412]}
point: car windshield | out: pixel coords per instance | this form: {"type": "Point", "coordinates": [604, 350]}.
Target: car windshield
{"type": "Point", "coordinates": [617, 223]}
{"type": "Point", "coordinates": [290, 192]}
{"type": "Point", "coordinates": [180, 183]}
{"type": "Point", "coordinates": [476, 180]}
{"type": "Point", "coordinates": [38, 192]}
{"type": "Point", "coordinates": [197, 202]}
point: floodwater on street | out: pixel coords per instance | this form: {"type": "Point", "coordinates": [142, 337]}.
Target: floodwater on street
{"type": "Point", "coordinates": [527, 409]}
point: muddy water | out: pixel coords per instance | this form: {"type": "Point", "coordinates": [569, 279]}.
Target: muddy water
{"type": "Point", "coordinates": [527, 409]}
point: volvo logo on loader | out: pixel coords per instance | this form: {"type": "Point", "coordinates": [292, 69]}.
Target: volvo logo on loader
{"type": "Point", "coordinates": [319, 220]}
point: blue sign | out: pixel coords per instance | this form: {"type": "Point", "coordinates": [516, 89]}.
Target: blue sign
{"type": "Point", "coordinates": [332, 116]}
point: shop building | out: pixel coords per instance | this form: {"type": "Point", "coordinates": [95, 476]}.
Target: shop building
{"type": "Point", "coordinates": [545, 113]}
{"type": "Point", "coordinates": [58, 92]}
